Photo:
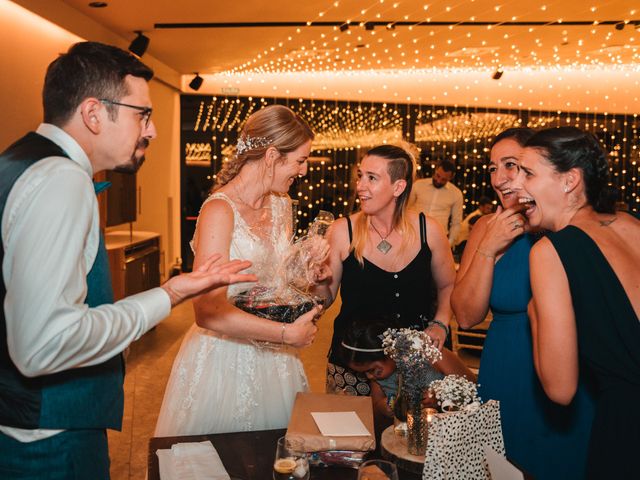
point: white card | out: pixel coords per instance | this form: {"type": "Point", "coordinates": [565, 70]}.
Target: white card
{"type": "Point", "coordinates": [340, 424]}
{"type": "Point", "coordinates": [499, 467]}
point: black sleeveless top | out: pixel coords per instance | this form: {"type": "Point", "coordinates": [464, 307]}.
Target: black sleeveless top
{"type": "Point", "coordinates": [408, 295]}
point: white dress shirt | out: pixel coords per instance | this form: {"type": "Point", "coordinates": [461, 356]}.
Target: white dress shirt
{"type": "Point", "coordinates": [465, 231]}
{"type": "Point", "coordinates": [50, 234]}
{"type": "Point", "coordinates": [439, 203]}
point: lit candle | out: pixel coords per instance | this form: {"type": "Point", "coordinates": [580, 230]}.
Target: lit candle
{"type": "Point", "coordinates": [430, 413]}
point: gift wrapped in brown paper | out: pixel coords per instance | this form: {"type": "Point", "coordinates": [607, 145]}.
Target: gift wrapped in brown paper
{"type": "Point", "coordinates": [305, 435]}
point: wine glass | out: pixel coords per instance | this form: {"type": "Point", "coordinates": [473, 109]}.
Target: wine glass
{"type": "Point", "coordinates": [289, 464]}
{"type": "Point", "coordinates": [378, 470]}
{"type": "Point", "coordinates": [321, 223]}
{"type": "Point", "coordinates": [314, 245]}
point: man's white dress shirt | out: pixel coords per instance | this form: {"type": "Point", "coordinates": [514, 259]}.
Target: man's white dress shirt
{"type": "Point", "coordinates": [465, 231]}
{"type": "Point", "coordinates": [50, 234]}
{"type": "Point", "coordinates": [439, 203]}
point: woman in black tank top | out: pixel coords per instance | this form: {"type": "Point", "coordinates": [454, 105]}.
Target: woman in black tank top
{"type": "Point", "coordinates": [384, 262]}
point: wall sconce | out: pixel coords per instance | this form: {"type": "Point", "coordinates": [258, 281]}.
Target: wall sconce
{"type": "Point", "coordinates": [196, 83]}
{"type": "Point", "coordinates": [139, 44]}
{"type": "Point", "coordinates": [498, 74]}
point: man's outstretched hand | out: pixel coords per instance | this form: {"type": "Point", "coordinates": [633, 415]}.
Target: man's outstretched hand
{"type": "Point", "coordinates": [207, 277]}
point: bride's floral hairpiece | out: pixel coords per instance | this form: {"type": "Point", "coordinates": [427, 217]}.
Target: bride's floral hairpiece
{"type": "Point", "coordinates": [250, 143]}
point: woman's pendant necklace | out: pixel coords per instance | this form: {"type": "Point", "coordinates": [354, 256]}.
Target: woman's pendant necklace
{"type": "Point", "coordinates": [383, 246]}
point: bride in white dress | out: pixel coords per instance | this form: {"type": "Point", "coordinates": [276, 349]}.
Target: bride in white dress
{"type": "Point", "coordinates": [223, 378]}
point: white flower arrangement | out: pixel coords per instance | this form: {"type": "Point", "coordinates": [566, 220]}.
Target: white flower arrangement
{"type": "Point", "coordinates": [455, 392]}
{"type": "Point", "coordinates": [413, 351]}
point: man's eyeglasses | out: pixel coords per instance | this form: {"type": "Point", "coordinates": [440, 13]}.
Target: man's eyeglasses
{"type": "Point", "coordinates": [145, 112]}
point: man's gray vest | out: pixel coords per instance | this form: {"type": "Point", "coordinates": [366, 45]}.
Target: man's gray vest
{"type": "Point", "coordinates": [88, 397]}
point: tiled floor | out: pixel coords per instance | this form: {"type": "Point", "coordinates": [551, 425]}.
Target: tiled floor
{"type": "Point", "coordinates": [148, 367]}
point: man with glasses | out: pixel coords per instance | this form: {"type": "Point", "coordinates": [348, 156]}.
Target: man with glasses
{"type": "Point", "coordinates": [61, 335]}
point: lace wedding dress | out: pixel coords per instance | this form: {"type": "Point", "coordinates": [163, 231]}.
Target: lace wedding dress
{"type": "Point", "coordinates": [221, 384]}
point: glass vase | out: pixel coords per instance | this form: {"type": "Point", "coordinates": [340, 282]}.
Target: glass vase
{"type": "Point", "coordinates": [417, 428]}
{"type": "Point", "coordinates": [400, 414]}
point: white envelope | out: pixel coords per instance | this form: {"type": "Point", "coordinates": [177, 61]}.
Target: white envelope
{"type": "Point", "coordinates": [340, 424]}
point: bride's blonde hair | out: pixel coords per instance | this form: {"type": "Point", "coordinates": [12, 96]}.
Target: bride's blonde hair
{"type": "Point", "coordinates": [401, 165]}
{"type": "Point", "coordinates": [273, 126]}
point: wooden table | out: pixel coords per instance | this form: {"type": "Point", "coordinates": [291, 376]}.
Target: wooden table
{"type": "Point", "coordinates": [394, 448]}
{"type": "Point", "coordinates": [249, 456]}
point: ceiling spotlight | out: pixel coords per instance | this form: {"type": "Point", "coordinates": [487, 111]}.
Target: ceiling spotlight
{"type": "Point", "coordinates": [498, 74]}
{"type": "Point", "coordinates": [369, 26]}
{"type": "Point", "coordinates": [620, 26]}
{"type": "Point", "coordinates": [391, 26]}
{"type": "Point", "coordinates": [196, 83]}
{"type": "Point", "coordinates": [139, 44]}
{"type": "Point", "coordinates": [344, 27]}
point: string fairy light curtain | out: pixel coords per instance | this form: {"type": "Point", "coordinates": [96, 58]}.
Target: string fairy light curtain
{"type": "Point", "coordinates": [346, 129]}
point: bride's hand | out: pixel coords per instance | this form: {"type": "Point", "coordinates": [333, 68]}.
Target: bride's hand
{"type": "Point", "coordinates": [302, 332]}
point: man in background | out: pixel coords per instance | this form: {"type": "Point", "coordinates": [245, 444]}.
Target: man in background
{"type": "Point", "coordinates": [440, 199]}
{"type": "Point", "coordinates": [61, 335]}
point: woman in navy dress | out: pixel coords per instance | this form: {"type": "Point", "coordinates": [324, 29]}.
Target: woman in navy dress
{"type": "Point", "coordinates": [546, 440]}
{"type": "Point", "coordinates": [586, 295]}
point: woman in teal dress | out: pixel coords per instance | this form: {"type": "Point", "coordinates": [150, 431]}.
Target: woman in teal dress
{"type": "Point", "coordinates": [544, 439]}
{"type": "Point", "coordinates": [586, 296]}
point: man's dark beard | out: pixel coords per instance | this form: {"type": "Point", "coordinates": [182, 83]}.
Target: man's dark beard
{"type": "Point", "coordinates": [135, 164]}
{"type": "Point", "coordinates": [438, 184]}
